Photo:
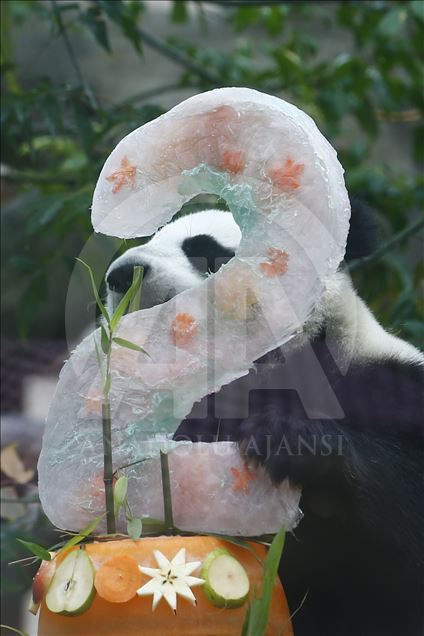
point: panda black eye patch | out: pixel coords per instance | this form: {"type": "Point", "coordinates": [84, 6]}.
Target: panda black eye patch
{"type": "Point", "coordinates": [205, 253]}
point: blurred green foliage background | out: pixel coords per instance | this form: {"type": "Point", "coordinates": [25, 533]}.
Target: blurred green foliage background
{"type": "Point", "coordinates": [56, 135]}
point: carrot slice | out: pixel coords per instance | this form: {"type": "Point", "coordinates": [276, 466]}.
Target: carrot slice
{"type": "Point", "coordinates": [118, 579]}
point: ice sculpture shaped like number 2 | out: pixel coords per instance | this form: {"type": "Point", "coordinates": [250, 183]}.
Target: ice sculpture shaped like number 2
{"type": "Point", "coordinates": [284, 186]}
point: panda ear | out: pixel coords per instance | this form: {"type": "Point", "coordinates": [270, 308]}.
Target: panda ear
{"type": "Point", "coordinates": [364, 231]}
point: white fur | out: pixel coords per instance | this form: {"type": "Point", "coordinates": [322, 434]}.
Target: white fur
{"type": "Point", "coordinates": [353, 327]}
{"type": "Point", "coordinates": [353, 333]}
{"type": "Point", "coordinates": [171, 272]}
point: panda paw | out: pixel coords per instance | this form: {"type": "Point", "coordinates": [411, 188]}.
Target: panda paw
{"type": "Point", "coordinates": [300, 449]}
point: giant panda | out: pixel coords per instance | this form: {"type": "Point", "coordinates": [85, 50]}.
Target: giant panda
{"type": "Point", "coordinates": [339, 411]}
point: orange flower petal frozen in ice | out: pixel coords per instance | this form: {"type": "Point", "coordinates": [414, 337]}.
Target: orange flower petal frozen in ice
{"type": "Point", "coordinates": [286, 175]}
{"type": "Point", "coordinates": [183, 329]}
{"type": "Point", "coordinates": [234, 295]}
{"type": "Point", "coordinates": [124, 176]}
{"type": "Point", "coordinates": [221, 116]}
{"type": "Point", "coordinates": [233, 161]}
{"type": "Point", "coordinates": [277, 263]}
{"type": "Point", "coordinates": [242, 478]}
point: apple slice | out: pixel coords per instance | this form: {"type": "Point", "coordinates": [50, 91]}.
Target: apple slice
{"type": "Point", "coordinates": [41, 583]}
{"type": "Point", "coordinates": [226, 581]}
{"type": "Point", "coordinates": [72, 589]}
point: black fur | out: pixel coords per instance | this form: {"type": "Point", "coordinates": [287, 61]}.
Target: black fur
{"type": "Point", "coordinates": [358, 552]}
{"type": "Point", "coordinates": [206, 254]}
{"type": "Point", "coordinates": [121, 278]}
{"type": "Point", "coordinates": [363, 231]}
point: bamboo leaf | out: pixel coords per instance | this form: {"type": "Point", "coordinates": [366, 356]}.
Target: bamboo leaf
{"type": "Point", "coordinates": [271, 566]}
{"type": "Point", "coordinates": [98, 357]}
{"type": "Point", "coordinates": [14, 630]}
{"type": "Point", "coordinates": [125, 301]}
{"type": "Point", "coordinates": [150, 524]}
{"type": "Point", "coordinates": [96, 293]}
{"type": "Point", "coordinates": [36, 549]}
{"type": "Point", "coordinates": [258, 612]}
{"type": "Point", "coordinates": [84, 533]}
{"type": "Point", "coordinates": [107, 384]}
{"type": "Point", "coordinates": [104, 340]}
{"type": "Point", "coordinates": [119, 494]}
{"type": "Point", "coordinates": [134, 527]}
{"type": "Point", "coordinates": [245, 628]}
{"type": "Point", "coordinates": [128, 23]}
{"type": "Point", "coordinates": [135, 301]}
{"type": "Point", "coordinates": [126, 17]}
{"type": "Point", "coordinates": [129, 345]}
{"type": "Point", "coordinates": [92, 19]}
{"type": "Point", "coordinates": [239, 542]}
{"type": "Point", "coordinates": [120, 310]}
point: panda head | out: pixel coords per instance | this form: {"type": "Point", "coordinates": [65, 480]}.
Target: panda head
{"type": "Point", "coordinates": [177, 257]}
{"type": "Point", "coordinates": [184, 252]}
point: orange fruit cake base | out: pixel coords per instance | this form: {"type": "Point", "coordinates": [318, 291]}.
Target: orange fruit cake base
{"type": "Point", "coordinates": [135, 616]}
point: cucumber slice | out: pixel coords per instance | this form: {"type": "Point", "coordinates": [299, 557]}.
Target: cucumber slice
{"type": "Point", "coordinates": [72, 590]}
{"type": "Point", "coordinates": [226, 580]}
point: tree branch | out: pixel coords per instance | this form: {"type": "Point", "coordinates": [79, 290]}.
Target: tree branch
{"type": "Point", "coordinates": [243, 3]}
{"type": "Point", "coordinates": [64, 33]}
{"type": "Point", "coordinates": [28, 176]}
{"type": "Point", "coordinates": [414, 228]}
{"type": "Point", "coordinates": [153, 92]}
{"type": "Point", "coordinates": [177, 56]}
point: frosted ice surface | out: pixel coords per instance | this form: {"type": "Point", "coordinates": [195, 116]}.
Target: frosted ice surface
{"type": "Point", "coordinates": [285, 187]}
{"type": "Point", "coordinates": [211, 491]}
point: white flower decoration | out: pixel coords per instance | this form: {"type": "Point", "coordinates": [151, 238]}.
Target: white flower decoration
{"type": "Point", "coordinates": [171, 578]}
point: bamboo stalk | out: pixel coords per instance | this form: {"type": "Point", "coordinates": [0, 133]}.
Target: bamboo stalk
{"type": "Point", "coordinates": [108, 467]}
{"type": "Point", "coordinates": [166, 488]}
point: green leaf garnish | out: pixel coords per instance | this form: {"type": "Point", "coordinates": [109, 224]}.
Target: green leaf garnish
{"type": "Point", "coordinates": [100, 305]}
{"type": "Point", "coordinates": [126, 299]}
{"type": "Point", "coordinates": [104, 340]}
{"type": "Point", "coordinates": [129, 345]}
{"type": "Point", "coordinates": [134, 527]}
{"type": "Point", "coordinates": [119, 494]}
{"type": "Point", "coordinates": [256, 620]}
{"type": "Point", "coordinates": [135, 301]}
{"type": "Point", "coordinates": [36, 549]}
{"type": "Point", "coordinates": [84, 533]}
